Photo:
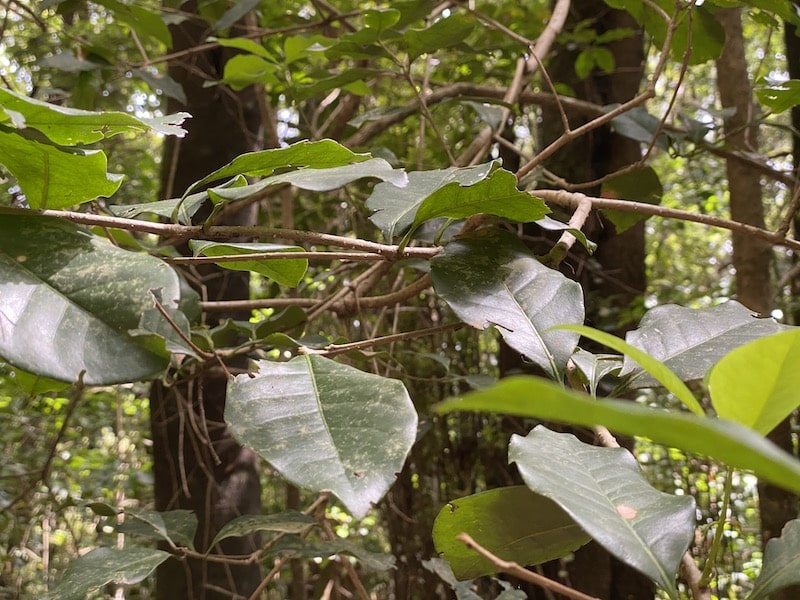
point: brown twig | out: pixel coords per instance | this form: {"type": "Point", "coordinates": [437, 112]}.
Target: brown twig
{"type": "Point", "coordinates": [335, 349]}
{"type": "Point", "coordinates": [516, 570]}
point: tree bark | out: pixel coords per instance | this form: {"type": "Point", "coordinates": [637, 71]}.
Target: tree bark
{"type": "Point", "coordinates": [197, 464]}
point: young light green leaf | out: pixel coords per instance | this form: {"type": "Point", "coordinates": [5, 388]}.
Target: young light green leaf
{"type": "Point", "coordinates": [101, 566]}
{"type": "Point", "coordinates": [65, 126]}
{"type": "Point", "coordinates": [724, 440]}
{"type": "Point", "coordinates": [325, 426]}
{"type": "Point", "coordinates": [46, 173]}
{"type": "Point", "coordinates": [781, 563]}
{"type": "Point", "coordinates": [606, 493]}
{"type": "Point", "coordinates": [288, 271]}
{"type": "Point", "coordinates": [283, 522]}
{"type": "Point", "coordinates": [490, 278]}
{"type": "Point", "coordinates": [657, 369]}
{"type": "Point", "coordinates": [70, 298]}
{"type": "Point", "coordinates": [689, 341]}
{"type": "Point", "coordinates": [511, 522]}
{"type": "Point", "coordinates": [756, 384]}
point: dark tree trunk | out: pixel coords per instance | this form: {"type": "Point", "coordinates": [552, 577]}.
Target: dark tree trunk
{"type": "Point", "coordinates": [197, 464]}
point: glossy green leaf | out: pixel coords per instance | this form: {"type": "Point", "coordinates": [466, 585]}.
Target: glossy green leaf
{"type": "Point", "coordinates": [606, 493]}
{"type": "Point", "coordinates": [294, 546]}
{"type": "Point", "coordinates": [70, 127]}
{"type": "Point", "coordinates": [283, 522]}
{"type": "Point", "coordinates": [780, 97]}
{"type": "Point", "coordinates": [657, 369]}
{"type": "Point", "coordinates": [396, 208]}
{"type": "Point", "coordinates": [325, 426]}
{"type": "Point", "coordinates": [757, 384]}
{"type": "Point", "coordinates": [101, 566]}
{"type": "Point", "coordinates": [781, 566]}
{"type": "Point", "coordinates": [175, 526]}
{"type": "Point", "coordinates": [69, 299]}
{"type": "Point", "coordinates": [490, 278]}
{"type": "Point", "coordinates": [46, 173]}
{"type": "Point", "coordinates": [322, 154]}
{"type": "Point", "coordinates": [288, 271]}
{"type": "Point", "coordinates": [496, 195]}
{"type": "Point", "coordinates": [689, 341]}
{"type": "Point", "coordinates": [724, 440]}
{"type": "Point", "coordinates": [443, 33]}
{"type": "Point", "coordinates": [513, 523]}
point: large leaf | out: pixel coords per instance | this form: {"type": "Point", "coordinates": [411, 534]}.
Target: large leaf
{"type": "Point", "coordinates": [71, 127]}
{"type": "Point", "coordinates": [757, 384]}
{"type": "Point", "coordinates": [288, 271]}
{"type": "Point", "coordinates": [781, 563]}
{"type": "Point", "coordinates": [325, 426]}
{"type": "Point", "coordinates": [490, 278]}
{"type": "Point", "coordinates": [322, 154]}
{"type": "Point", "coordinates": [721, 439]}
{"type": "Point", "coordinates": [689, 341]}
{"type": "Point", "coordinates": [95, 569]}
{"type": "Point", "coordinates": [69, 299]}
{"type": "Point", "coordinates": [46, 173]}
{"type": "Point", "coordinates": [512, 522]}
{"type": "Point", "coordinates": [605, 492]}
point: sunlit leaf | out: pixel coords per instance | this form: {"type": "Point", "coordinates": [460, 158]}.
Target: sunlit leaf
{"type": "Point", "coordinates": [757, 384]}
{"type": "Point", "coordinates": [513, 523]}
{"type": "Point", "coordinates": [287, 271]}
{"type": "Point", "coordinates": [490, 278]}
{"type": "Point", "coordinates": [325, 426]}
{"type": "Point", "coordinates": [69, 299]}
{"type": "Point", "coordinates": [606, 493]}
{"type": "Point", "coordinates": [724, 440]}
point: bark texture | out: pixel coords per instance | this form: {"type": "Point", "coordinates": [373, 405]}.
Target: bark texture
{"type": "Point", "coordinates": [197, 464]}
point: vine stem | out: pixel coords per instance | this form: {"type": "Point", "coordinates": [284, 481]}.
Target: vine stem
{"type": "Point", "coordinates": [717, 543]}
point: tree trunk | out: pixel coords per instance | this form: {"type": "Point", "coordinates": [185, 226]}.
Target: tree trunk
{"type": "Point", "coordinates": [197, 464]}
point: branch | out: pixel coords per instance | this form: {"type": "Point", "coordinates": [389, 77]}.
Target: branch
{"type": "Point", "coordinates": [571, 199]}
{"type": "Point", "coordinates": [514, 569]}
{"type": "Point", "coordinates": [335, 349]}
{"type": "Point", "coordinates": [354, 256]}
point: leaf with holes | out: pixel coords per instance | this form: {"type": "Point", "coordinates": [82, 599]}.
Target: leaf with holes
{"type": "Point", "coordinates": [325, 426]}
{"type": "Point", "coordinates": [605, 492]}
{"type": "Point", "coordinates": [490, 278]}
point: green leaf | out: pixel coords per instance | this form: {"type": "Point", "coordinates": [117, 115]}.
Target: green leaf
{"type": "Point", "coordinates": [287, 271]}
{"type": "Point", "coordinates": [780, 97]}
{"type": "Point", "coordinates": [235, 13]}
{"type": "Point", "coordinates": [723, 440]}
{"type": "Point", "coordinates": [294, 546]}
{"type": "Point", "coordinates": [639, 125]}
{"type": "Point", "coordinates": [606, 493]}
{"type": "Point", "coordinates": [781, 563]}
{"type": "Point", "coordinates": [551, 224]}
{"type": "Point", "coordinates": [322, 154]}
{"type": "Point", "coordinates": [756, 384]}
{"type": "Point", "coordinates": [175, 526]}
{"type": "Point", "coordinates": [283, 522]}
{"type": "Point", "coordinates": [642, 185]}
{"type": "Point", "coordinates": [396, 208]}
{"type": "Point", "coordinates": [441, 568]}
{"type": "Point", "coordinates": [444, 33]}
{"type": "Point", "coordinates": [490, 278]}
{"type": "Point", "coordinates": [46, 173]}
{"type": "Point", "coordinates": [243, 70]}
{"type": "Point", "coordinates": [101, 566]}
{"type": "Point", "coordinates": [70, 127]}
{"type": "Point", "coordinates": [512, 522]}
{"type": "Point", "coordinates": [497, 195]}
{"type": "Point", "coordinates": [657, 369]}
{"type": "Point", "coordinates": [689, 341]}
{"type": "Point", "coordinates": [69, 299]}
{"type": "Point", "coordinates": [325, 426]}
{"type": "Point", "coordinates": [146, 22]}
{"type": "Point", "coordinates": [246, 45]}
{"type": "Point", "coordinates": [596, 366]}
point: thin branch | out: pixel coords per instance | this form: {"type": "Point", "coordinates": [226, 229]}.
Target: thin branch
{"type": "Point", "coordinates": [335, 349]}
{"type": "Point", "coordinates": [354, 256]}
{"type": "Point", "coordinates": [571, 199]}
{"type": "Point", "coordinates": [514, 569]}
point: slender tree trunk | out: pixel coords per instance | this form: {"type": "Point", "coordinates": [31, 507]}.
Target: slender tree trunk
{"type": "Point", "coordinates": [751, 257]}
{"type": "Point", "coordinates": [197, 464]}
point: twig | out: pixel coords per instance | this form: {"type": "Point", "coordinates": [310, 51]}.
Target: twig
{"type": "Point", "coordinates": [286, 255]}
{"type": "Point", "coordinates": [583, 209]}
{"type": "Point", "coordinates": [516, 570]}
{"type": "Point", "coordinates": [334, 349]}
